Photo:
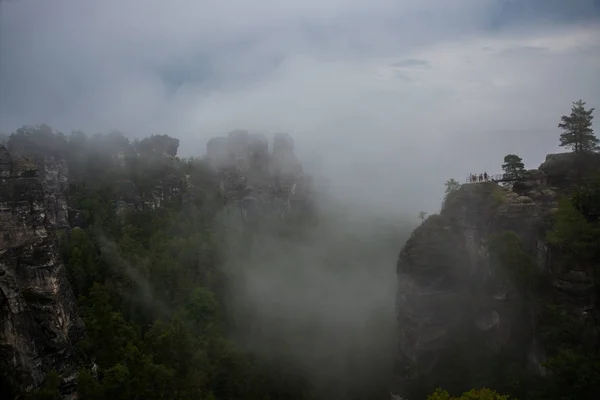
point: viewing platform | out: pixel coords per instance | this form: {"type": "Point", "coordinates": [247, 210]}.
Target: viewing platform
{"type": "Point", "coordinates": [493, 178]}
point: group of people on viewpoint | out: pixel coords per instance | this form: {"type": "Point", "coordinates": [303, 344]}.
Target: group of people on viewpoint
{"type": "Point", "coordinates": [474, 178]}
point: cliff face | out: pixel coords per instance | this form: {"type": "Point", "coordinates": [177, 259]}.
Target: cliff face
{"type": "Point", "coordinates": [39, 322]}
{"type": "Point", "coordinates": [151, 162]}
{"type": "Point", "coordinates": [457, 311]}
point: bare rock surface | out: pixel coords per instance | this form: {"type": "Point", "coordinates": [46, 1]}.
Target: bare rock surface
{"type": "Point", "coordinates": [39, 321]}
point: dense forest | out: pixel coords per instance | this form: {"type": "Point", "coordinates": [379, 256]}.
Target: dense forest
{"type": "Point", "coordinates": [183, 298]}
{"type": "Point", "coordinates": [168, 282]}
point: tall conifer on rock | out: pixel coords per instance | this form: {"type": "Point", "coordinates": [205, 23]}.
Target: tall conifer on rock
{"type": "Point", "coordinates": [578, 133]}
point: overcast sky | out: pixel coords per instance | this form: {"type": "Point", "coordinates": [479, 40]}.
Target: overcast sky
{"type": "Point", "coordinates": [395, 96]}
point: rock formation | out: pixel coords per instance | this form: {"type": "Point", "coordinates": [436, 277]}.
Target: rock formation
{"type": "Point", "coordinates": [252, 179]}
{"type": "Point", "coordinates": [561, 169]}
{"type": "Point", "coordinates": [39, 319]}
{"type": "Point", "coordinates": [456, 312]}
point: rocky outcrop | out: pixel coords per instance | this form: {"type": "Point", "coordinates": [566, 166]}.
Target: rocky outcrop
{"type": "Point", "coordinates": [155, 176]}
{"type": "Point", "coordinates": [46, 151]}
{"type": "Point", "coordinates": [564, 168]}
{"type": "Point", "coordinates": [157, 145]}
{"type": "Point", "coordinates": [284, 161]}
{"type": "Point", "coordinates": [456, 310]}
{"type": "Point", "coordinates": [255, 181]}
{"type": "Point", "coordinates": [39, 321]}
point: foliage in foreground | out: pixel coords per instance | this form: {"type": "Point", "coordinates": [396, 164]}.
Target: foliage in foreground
{"type": "Point", "coordinates": [474, 394]}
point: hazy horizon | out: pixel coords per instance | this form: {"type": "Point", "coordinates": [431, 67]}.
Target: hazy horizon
{"type": "Point", "coordinates": [393, 97]}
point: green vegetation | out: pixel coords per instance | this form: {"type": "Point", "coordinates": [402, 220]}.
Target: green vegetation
{"type": "Point", "coordinates": [560, 301]}
{"type": "Point", "coordinates": [511, 261]}
{"type": "Point", "coordinates": [474, 394]}
{"type": "Point", "coordinates": [452, 186]}
{"type": "Point", "coordinates": [569, 339]}
{"type": "Point", "coordinates": [152, 283]}
{"type": "Point", "coordinates": [578, 134]}
{"type": "Point", "coordinates": [166, 291]}
{"type": "Point", "coordinates": [49, 389]}
{"type": "Point", "coordinates": [499, 195]}
{"type": "Point", "coordinates": [513, 166]}
{"type": "Point", "coordinates": [574, 363]}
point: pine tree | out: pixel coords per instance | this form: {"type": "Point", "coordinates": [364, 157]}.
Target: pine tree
{"type": "Point", "coordinates": [513, 166]}
{"type": "Point", "coordinates": [452, 186]}
{"type": "Point", "coordinates": [578, 133]}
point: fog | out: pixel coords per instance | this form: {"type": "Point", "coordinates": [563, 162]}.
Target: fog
{"type": "Point", "coordinates": [386, 100]}
{"type": "Point", "coordinates": [379, 89]}
{"type": "Point", "coordinates": [321, 302]}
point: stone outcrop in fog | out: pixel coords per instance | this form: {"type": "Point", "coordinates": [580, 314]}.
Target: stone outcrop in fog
{"type": "Point", "coordinates": [256, 180]}
{"type": "Point", "coordinates": [39, 318]}
{"type": "Point", "coordinates": [457, 311]}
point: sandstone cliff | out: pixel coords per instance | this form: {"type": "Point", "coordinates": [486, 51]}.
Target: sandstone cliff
{"type": "Point", "coordinates": [39, 319]}
{"type": "Point", "coordinates": [458, 313]}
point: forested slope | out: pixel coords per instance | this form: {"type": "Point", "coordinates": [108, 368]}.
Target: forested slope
{"type": "Point", "coordinates": [216, 277]}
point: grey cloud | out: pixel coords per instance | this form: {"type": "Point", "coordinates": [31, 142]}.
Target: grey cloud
{"type": "Point", "coordinates": [403, 76]}
{"type": "Point", "coordinates": [524, 50]}
{"type": "Point", "coordinates": [512, 12]}
{"type": "Point", "coordinates": [410, 62]}
{"type": "Point", "coordinates": [324, 71]}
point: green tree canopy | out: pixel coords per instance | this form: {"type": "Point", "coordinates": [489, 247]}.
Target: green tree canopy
{"type": "Point", "coordinates": [578, 134]}
{"type": "Point", "coordinates": [452, 186]}
{"type": "Point", "coordinates": [513, 165]}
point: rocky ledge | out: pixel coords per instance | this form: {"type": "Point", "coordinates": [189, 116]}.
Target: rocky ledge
{"type": "Point", "coordinates": [258, 181]}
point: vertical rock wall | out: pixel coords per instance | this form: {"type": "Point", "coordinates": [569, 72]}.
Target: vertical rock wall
{"type": "Point", "coordinates": [39, 321]}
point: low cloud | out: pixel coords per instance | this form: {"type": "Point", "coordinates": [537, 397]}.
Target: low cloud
{"type": "Point", "coordinates": [395, 97]}
{"type": "Point", "coordinates": [410, 62]}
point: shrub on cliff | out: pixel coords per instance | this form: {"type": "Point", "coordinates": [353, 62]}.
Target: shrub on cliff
{"type": "Point", "coordinates": [452, 186]}
{"type": "Point", "coordinates": [473, 394]}
{"type": "Point", "coordinates": [511, 260]}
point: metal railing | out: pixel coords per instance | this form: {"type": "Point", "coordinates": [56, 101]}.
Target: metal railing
{"type": "Point", "coordinates": [494, 178]}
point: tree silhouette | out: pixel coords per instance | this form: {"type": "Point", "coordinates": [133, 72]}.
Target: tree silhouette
{"type": "Point", "coordinates": [513, 166]}
{"type": "Point", "coordinates": [578, 134]}
{"type": "Point", "coordinates": [452, 185]}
